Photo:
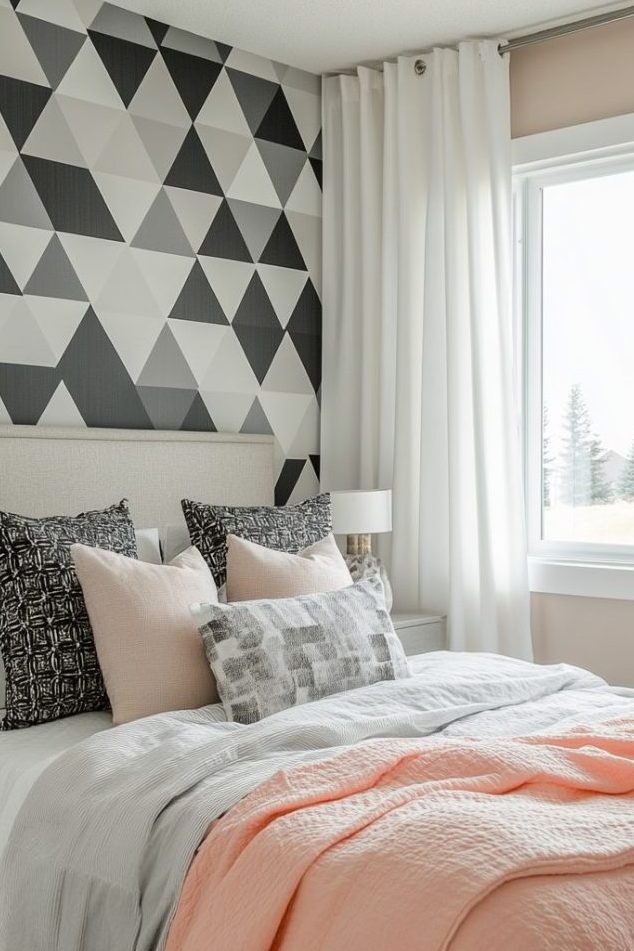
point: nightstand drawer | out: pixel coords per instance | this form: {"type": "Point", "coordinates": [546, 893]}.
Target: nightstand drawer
{"type": "Point", "coordinates": [420, 633]}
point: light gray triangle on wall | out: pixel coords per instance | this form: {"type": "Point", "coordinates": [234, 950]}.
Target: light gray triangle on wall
{"type": "Point", "coordinates": [166, 365]}
{"type": "Point", "coordinates": [51, 137]}
{"type": "Point", "coordinates": [158, 98]}
{"type": "Point", "coordinates": [283, 165]}
{"type": "Point", "coordinates": [256, 223]}
{"type": "Point", "coordinates": [55, 46]}
{"type": "Point", "coordinates": [161, 230]}
{"type": "Point", "coordinates": [226, 151]}
{"type": "Point", "coordinates": [256, 422]}
{"type": "Point", "coordinates": [54, 275]}
{"type": "Point", "coordinates": [191, 43]}
{"type": "Point", "coordinates": [115, 21]}
{"type": "Point", "coordinates": [16, 53]}
{"type": "Point", "coordinates": [20, 204]}
{"type": "Point", "coordinates": [162, 141]}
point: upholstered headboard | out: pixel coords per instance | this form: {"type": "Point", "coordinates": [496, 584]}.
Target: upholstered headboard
{"type": "Point", "coordinates": [45, 471]}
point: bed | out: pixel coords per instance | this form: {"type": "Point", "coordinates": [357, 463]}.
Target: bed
{"type": "Point", "coordinates": [481, 802]}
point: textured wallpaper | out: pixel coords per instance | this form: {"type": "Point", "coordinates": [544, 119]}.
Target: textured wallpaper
{"type": "Point", "coordinates": [160, 232]}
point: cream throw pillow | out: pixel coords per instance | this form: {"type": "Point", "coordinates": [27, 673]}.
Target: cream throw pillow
{"type": "Point", "coordinates": [255, 572]}
{"type": "Point", "coordinates": [149, 650]}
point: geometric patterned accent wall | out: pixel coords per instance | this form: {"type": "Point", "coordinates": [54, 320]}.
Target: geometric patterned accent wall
{"type": "Point", "coordinates": [160, 232]}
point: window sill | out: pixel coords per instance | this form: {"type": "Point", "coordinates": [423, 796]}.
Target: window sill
{"type": "Point", "coordinates": [581, 580]}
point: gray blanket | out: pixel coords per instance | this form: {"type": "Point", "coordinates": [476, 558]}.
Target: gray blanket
{"type": "Point", "coordinates": [99, 852]}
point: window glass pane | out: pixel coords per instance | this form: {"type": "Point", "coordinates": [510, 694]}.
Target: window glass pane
{"type": "Point", "coordinates": [588, 361]}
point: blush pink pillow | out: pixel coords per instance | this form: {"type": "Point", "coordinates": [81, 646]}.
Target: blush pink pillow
{"type": "Point", "coordinates": [149, 650]}
{"type": "Point", "coordinates": [255, 572]}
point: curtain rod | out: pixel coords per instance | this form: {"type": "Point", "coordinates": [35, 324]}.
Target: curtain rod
{"type": "Point", "coordinates": [599, 20]}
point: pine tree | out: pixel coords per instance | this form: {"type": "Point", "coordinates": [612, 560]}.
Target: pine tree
{"type": "Point", "coordinates": [576, 469]}
{"type": "Point", "coordinates": [626, 482]}
{"type": "Point", "coordinates": [600, 491]}
{"type": "Point", "coordinates": [547, 459]}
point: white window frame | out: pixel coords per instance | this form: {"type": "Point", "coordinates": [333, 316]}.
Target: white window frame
{"type": "Point", "coordinates": [563, 155]}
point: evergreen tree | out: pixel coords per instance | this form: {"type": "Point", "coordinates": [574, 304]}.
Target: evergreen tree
{"type": "Point", "coordinates": [626, 482]}
{"type": "Point", "coordinates": [576, 469]}
{"type": "Point", "coordinates": [547, 460]}
{"type": "Point", "coordinates": [600, 491]}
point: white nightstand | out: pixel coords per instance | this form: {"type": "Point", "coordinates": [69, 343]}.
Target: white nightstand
{"type": "Point", "coordinates": [420, 633]}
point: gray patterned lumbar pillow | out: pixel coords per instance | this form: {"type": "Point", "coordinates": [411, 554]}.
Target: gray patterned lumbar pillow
{"type": "Point", "coordinates": [270, 655]}
{"type": "Point", "coordinates": [286, 528]}
{"type": "Point", "coordinates": [45, 636]}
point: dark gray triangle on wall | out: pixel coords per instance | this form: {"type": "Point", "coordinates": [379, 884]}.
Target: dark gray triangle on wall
{"type": "Point", "coordinates": [257, 327]}
{"type": "Point", "coordinates": [55, 46]}
{"type": "Point", "coordinates": [54, 275]}
{"type": "Point", "coordinates": [8, 284]}
{"type": "Point", "coordinates": [71, 198]}
{"type": "Point", "coordinates": [223, 50]}
{"type": "Point", "coordinates": [254, 94]}
{"type": "Point", "coordinates": [193, 76]}
{"type": "Point", "coordinates": [304, 329]}
{"type": "Point", "coordinates": [21, 105]}
{"type": "Point", "coordinates": [291, 471]}
{"type": "Point", "coordinates": [278, 124]}
{"type": "Point", "coordinates": [282, 248]}
{"type": "Point", "coordinates": [316, 151]}
{"type": "Point", "coordinates": [166, 406]}
{"type": "Point", "coordinates": [224, 239]}
{"type": "Point", "coordinates": [97, 380]}
{"type": "Point", "coordinates": [197, 300]}
{"type": "Point", "coordinates": [256, 223]}
{"type": "Point", "coordinates": [256, 422]}
{"type": "Point", "coordinates": [26, 391]}
{"type": "Point", "coordinates": [126, 62]}
{"type": "Point", "coordinates": [192, 168]}
{"type": "Point", "coordinates": [283, 165]}
{"type": "Point", "coordinates": [20, 204]}
{"type": "Point", "coordinates": [158, 30]}
{"type": "Point", "coordinates": [198, 419]}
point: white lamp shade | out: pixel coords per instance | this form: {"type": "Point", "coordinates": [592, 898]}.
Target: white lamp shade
{"type": "Point", "coordinates": [361, 512]}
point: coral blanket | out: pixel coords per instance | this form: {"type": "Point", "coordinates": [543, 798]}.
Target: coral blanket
{"type": "Point", "coordinates": [408, 844]}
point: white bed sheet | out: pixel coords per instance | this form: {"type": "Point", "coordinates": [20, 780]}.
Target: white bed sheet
{"type": "Point", "coordinates": [25, 753]}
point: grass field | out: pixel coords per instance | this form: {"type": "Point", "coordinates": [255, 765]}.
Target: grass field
{"type": "Point", "coordinates": [611, 524]}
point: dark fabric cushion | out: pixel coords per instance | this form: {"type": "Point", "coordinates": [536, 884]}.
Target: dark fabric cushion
{"type": "Point", "coordinates": [285, 528]}
{"type": "Point", "coordinates": [45, 636]}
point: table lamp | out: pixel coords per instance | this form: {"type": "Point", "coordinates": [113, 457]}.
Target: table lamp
{"type": "Point", "coordinates": [359, 514]}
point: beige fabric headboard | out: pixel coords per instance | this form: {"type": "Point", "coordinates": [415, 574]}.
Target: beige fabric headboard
{"type": "Point", "coordinates": [65, 471]}
{"type": "Point", "coordinates": [45, 471]}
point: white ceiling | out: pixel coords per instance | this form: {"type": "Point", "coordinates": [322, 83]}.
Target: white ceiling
{"type": "Point", "coordinates": [326, 35]}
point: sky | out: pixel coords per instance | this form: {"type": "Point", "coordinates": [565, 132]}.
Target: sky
{"type": "Point", "coordinates": [588, 286]}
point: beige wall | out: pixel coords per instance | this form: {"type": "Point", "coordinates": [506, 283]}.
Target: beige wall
{"type": "Point", "coordinates": [576, 79]}
{"type": "Point", "coordinates": [573, 79]}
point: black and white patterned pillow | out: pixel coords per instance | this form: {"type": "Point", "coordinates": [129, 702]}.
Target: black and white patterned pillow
{"type": "Point", "coordinates": [45, 637]}
{"type": "Point", "coordinates": [286, 528]}
{"type": "Point", "coordinates": [269, 655]}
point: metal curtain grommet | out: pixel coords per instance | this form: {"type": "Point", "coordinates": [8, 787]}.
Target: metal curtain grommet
{"type": "Point", "coordinates": [420, 67]}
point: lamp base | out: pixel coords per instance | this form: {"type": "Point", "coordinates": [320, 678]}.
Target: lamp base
{"type": "Point", "coordinates": [365, 566]}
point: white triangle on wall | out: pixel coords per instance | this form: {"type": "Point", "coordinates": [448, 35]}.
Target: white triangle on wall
{"type": "Point", "coordinates": [253, 182]}
{"type": "Point", "coordinates": [61, 410]}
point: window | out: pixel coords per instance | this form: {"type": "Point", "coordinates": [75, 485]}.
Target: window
{"type": "Point", "coordinates": [575, 292]}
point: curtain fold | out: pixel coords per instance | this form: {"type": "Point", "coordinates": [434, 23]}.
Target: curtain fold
{"type": "Point", "coordinates": [418, 389]}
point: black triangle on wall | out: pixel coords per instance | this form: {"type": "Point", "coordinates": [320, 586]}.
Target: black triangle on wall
{"type": "Point", "coordinates": [71, 198]}
{"type": "Point", "coordinates": [291, 471]}
{"type": "Point", "coordinates": [192, 168]}
{"type": "Point", "coordinates": [304, 329]}
{"type": "Point", "coordinates": [8, 284]}
{"type": "Point", "coordinates": [282, 248]}
{"type": "Point", "coordinates": [223, 50]}
{"type": "Point", "coordinates": [98, 381]}
{"type": "Point", "coordinates": [21, 105]}
{"type": "Point", "coordinates": [197, 300]}
{"type": "Point", "coordinates": [198, 419]}
{"type": "Point", "coordinates": [278, 125]}
{"type": "Point", "coordinates": [26, 391]}
{"type": "Point", "coordinates": [126, 62]}
{"type": "Point", "coordinates": [224, 240]}
{"type": "Point", "coordinates": [158, 30]}
{"type": "Point", "coordinates": [257, 327]}
{"type": "Point", "coordinates": [193, 76]}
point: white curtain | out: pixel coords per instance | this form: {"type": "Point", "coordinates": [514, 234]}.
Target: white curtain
{"type": "Point", "coordinates": [418, 389]}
